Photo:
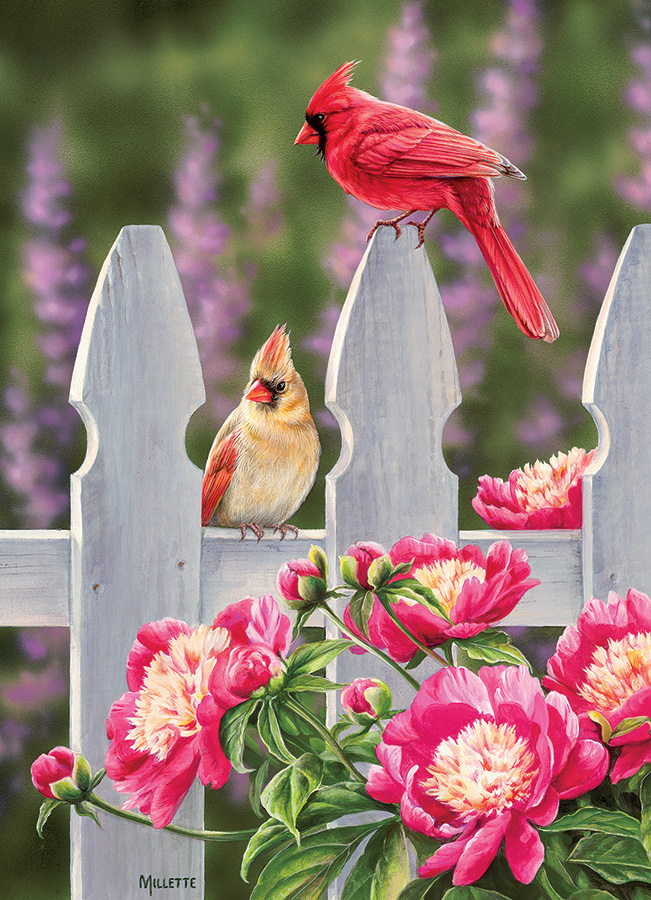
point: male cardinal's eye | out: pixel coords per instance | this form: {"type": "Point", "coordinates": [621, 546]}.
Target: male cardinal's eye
{"type": "Point", "coordinates": [318, 118]}
{"type": "Point", "coordinates": [280, 387]}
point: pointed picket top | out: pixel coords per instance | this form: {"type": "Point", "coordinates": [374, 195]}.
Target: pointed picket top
{"type": "Point", "coordinates": [122, 339]}
{"type": "Point", "coordinates": [616, 391]}
{"type": "Point", "coordinates": [135, 535]}
{"type": "Point", "coordinates": [392, 382]}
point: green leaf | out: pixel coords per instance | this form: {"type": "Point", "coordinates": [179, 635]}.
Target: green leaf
{"type": "Point", "coordinates": [645, 824]}
{"type": "Point", "coordinates": [332, 801]}
{"type": "Point", "coordinates": [310, 658]}
{"type": "Point", "coordinates": [416, 659]}
{"type": "Point", "coordinates": [271, 835]}
{"type": "Point", "coordinates": [592, 818]}
{"type": "Point", "coordinates": [617, 859]}
{"type": "Point", "coordinates": [493, 647]}
{"type": "Point", "coordinates": [232, 732]}
{"type": "Point", "coordinates": [382, 870]}
{"type": "Point", "coordinates": [416, 889]}
{"type": "Point", "coordinates": [257, 786]}
{"type": "Point", "coordinates": [288, 791]}
{"type": "Point", "coordinates": [301, 618]}
{"type": "Point", "coordinates": [44, 814]}
{"type": "Point", "coordinates": [468, 892]}
{"type": "Point", "coordinates": [628, 725]}
{"type": "Point", "coordinates": [312, 683]}
{"type": "Point", "coordinates": [360, 608]}
{"type": "Point", "coordinates": [97, 778]}
{"type": "Point", "coordinates": [543, 879]}
{"type": "Point", "coordinates": [85, 809]}
{"type": "Point", "coordinates": [593, 894]}
{"type": "Point", "coordinates": [271, 735]}
{"type": "Point", "coordinates": [305, 872]}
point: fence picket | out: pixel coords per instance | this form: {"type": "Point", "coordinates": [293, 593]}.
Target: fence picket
{"type": "Point", "coordinates": [135, 535]}
{"type": "Point", "coordinates": [616, 391]}
{"type": "Point", "coordinates": [392, 383]}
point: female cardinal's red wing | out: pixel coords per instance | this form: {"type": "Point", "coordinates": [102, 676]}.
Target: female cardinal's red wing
{"type": "Point", "coordinates": [417, 151]}
{"type": "Point", "coordinates": [220, 468]}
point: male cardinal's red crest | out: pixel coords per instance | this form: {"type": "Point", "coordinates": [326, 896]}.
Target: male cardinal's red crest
{"type": "Point", "coordinates": [264, 459]}
{"type": "Point", "coordinates": [392, 157]}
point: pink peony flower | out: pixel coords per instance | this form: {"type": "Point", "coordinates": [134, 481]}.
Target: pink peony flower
{"type": "Point", "coordinates": [545, 495]}
{"type": "Point", "coordinates": [481, 758]}
{"type": "Point", "coordinates": [366, 699]}
{"type": "Point", "coordinates": [475, 590]}
{"type": "Point", "coordinates": [49, 768]}
{"type": "Point", "coordinates": [603, 665]}
{"type": "Point", "coordinates": [165, 730]}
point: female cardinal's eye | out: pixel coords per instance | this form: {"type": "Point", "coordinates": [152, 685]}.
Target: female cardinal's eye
{"type": "Point", "coordinates": [280, 387]}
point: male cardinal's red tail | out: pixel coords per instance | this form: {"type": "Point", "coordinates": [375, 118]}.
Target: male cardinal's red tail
{"type": "Point", "coordinates": [515, 285]}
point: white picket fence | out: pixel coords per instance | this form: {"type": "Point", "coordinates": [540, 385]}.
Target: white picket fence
{"type": "Point", "coordinates": [136, 552]}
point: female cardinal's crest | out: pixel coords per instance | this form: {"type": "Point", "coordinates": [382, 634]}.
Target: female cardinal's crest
{"type": "Point", "coordinates": [334, 90]}
{"type": "Point", "coordinates": [274, 356]}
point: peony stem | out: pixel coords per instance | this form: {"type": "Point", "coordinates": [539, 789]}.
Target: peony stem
{"type": "Point", "coordinates": [197, 834]}
{"type": "Point", "coordinates": [369, 647]}
{"type": "Point", "coordinates": [327, 737]}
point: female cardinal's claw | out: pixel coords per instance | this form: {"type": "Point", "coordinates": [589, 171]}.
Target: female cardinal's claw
{"type": "Point", "coordinates": [257, 530]}
{"type": "Point", "coordinates": [284, 528]}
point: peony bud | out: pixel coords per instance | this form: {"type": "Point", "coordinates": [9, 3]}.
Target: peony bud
{"type": "Point", "coordinates": [301, 584]}
{"type": "Point", "coordinates": [355, 564]}
{"type": "Point", "coordinates": [320, 560]}
{"type": "Point", "coordinates": [380, 571]}
{"type": "Point", "coordinates": [366, 700]}
{"type": "Point", "coordinates": [61, 774]}
{"type": "Point", "coordinates": [250, 668]}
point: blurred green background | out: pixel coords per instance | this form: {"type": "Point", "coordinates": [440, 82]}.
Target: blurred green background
{"type": "Point", "coordinates": [122, 74]}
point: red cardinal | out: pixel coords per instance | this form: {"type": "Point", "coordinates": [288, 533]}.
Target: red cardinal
{"type": "Point", "coordinates": [392, 157]}
{"type": "Point", "coordinates": [264, 459]}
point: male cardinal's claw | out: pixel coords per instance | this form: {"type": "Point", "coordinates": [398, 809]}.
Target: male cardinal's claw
{"type": "Point", "coordinates": [387, 222]}
{"type": "Point", "coordinates": [284, 528]}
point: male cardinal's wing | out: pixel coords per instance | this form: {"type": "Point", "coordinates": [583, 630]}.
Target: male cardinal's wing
{"type": "Point", "coordinates": [431, 149]}
{"type": "Point", "coordinates": [220, 469]}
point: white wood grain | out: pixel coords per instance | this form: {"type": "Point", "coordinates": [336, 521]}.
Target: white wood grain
{"type": "Point", "coordinates": [136, 535]}
{"type": "Point", "coordinates": [616, 391]}
{"type": "Point", "coordinates": [34, 577]}
{"type": "Point", "coordinates": [232, 569]}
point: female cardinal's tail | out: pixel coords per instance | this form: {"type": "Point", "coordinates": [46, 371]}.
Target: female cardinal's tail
{"type": "Point", "coordinates": [515, 285]}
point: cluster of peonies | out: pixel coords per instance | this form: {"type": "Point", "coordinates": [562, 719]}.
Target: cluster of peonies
{"type": "Point", "coordinates": [479, 759]}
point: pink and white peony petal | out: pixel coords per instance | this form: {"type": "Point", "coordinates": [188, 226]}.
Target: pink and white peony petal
{"type": "Point", "coordinates": [631, 759]}
{"type": "Point", "coordinates": [214, 767]}
{"type": "Point", "coordinates": [585, 769]}
{"type": "Point", "coordinates": [524, 849]}
{"type": "Point", "coordinates": [152, 638]}
{"type": "Point", "coordinates": [480, 851]}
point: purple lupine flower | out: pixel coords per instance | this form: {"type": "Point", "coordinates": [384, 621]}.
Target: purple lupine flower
{"type": "Point", "coordinates": [59, 278]}
{"type": "Point", "coordinates": [406, 70]}
{"type": "Point", "coordinates": [509, 92]}
{"type": "Point", "coordinates": [217, 300]}
{"type": "Point", "coordinates": [637, 190]}
{"type": "Point", "coordinates": [218, 297]}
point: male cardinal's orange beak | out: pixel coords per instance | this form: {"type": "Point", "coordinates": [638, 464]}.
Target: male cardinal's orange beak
{"type": "Point", "coordinates": [307, 135]}
{"type": "Point", "coordinates": [259, 393]}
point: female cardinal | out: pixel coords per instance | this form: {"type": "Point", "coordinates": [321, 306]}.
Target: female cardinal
{"type": "Point", "coordinates": [263, 461]}
{"type": "Point", "coordinates": [392, 157]}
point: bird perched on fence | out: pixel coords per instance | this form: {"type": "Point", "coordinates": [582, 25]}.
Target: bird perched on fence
{"type": "Point", "coordinates": [392, 157]}
{"type": "Point", "coordinates": [264, 459]}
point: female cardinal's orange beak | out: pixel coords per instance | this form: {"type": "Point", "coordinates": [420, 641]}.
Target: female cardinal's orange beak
{"type": "Point", "coordinates": [259, 393]}
{"type": "Point", "coordinates": [307, 135]}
